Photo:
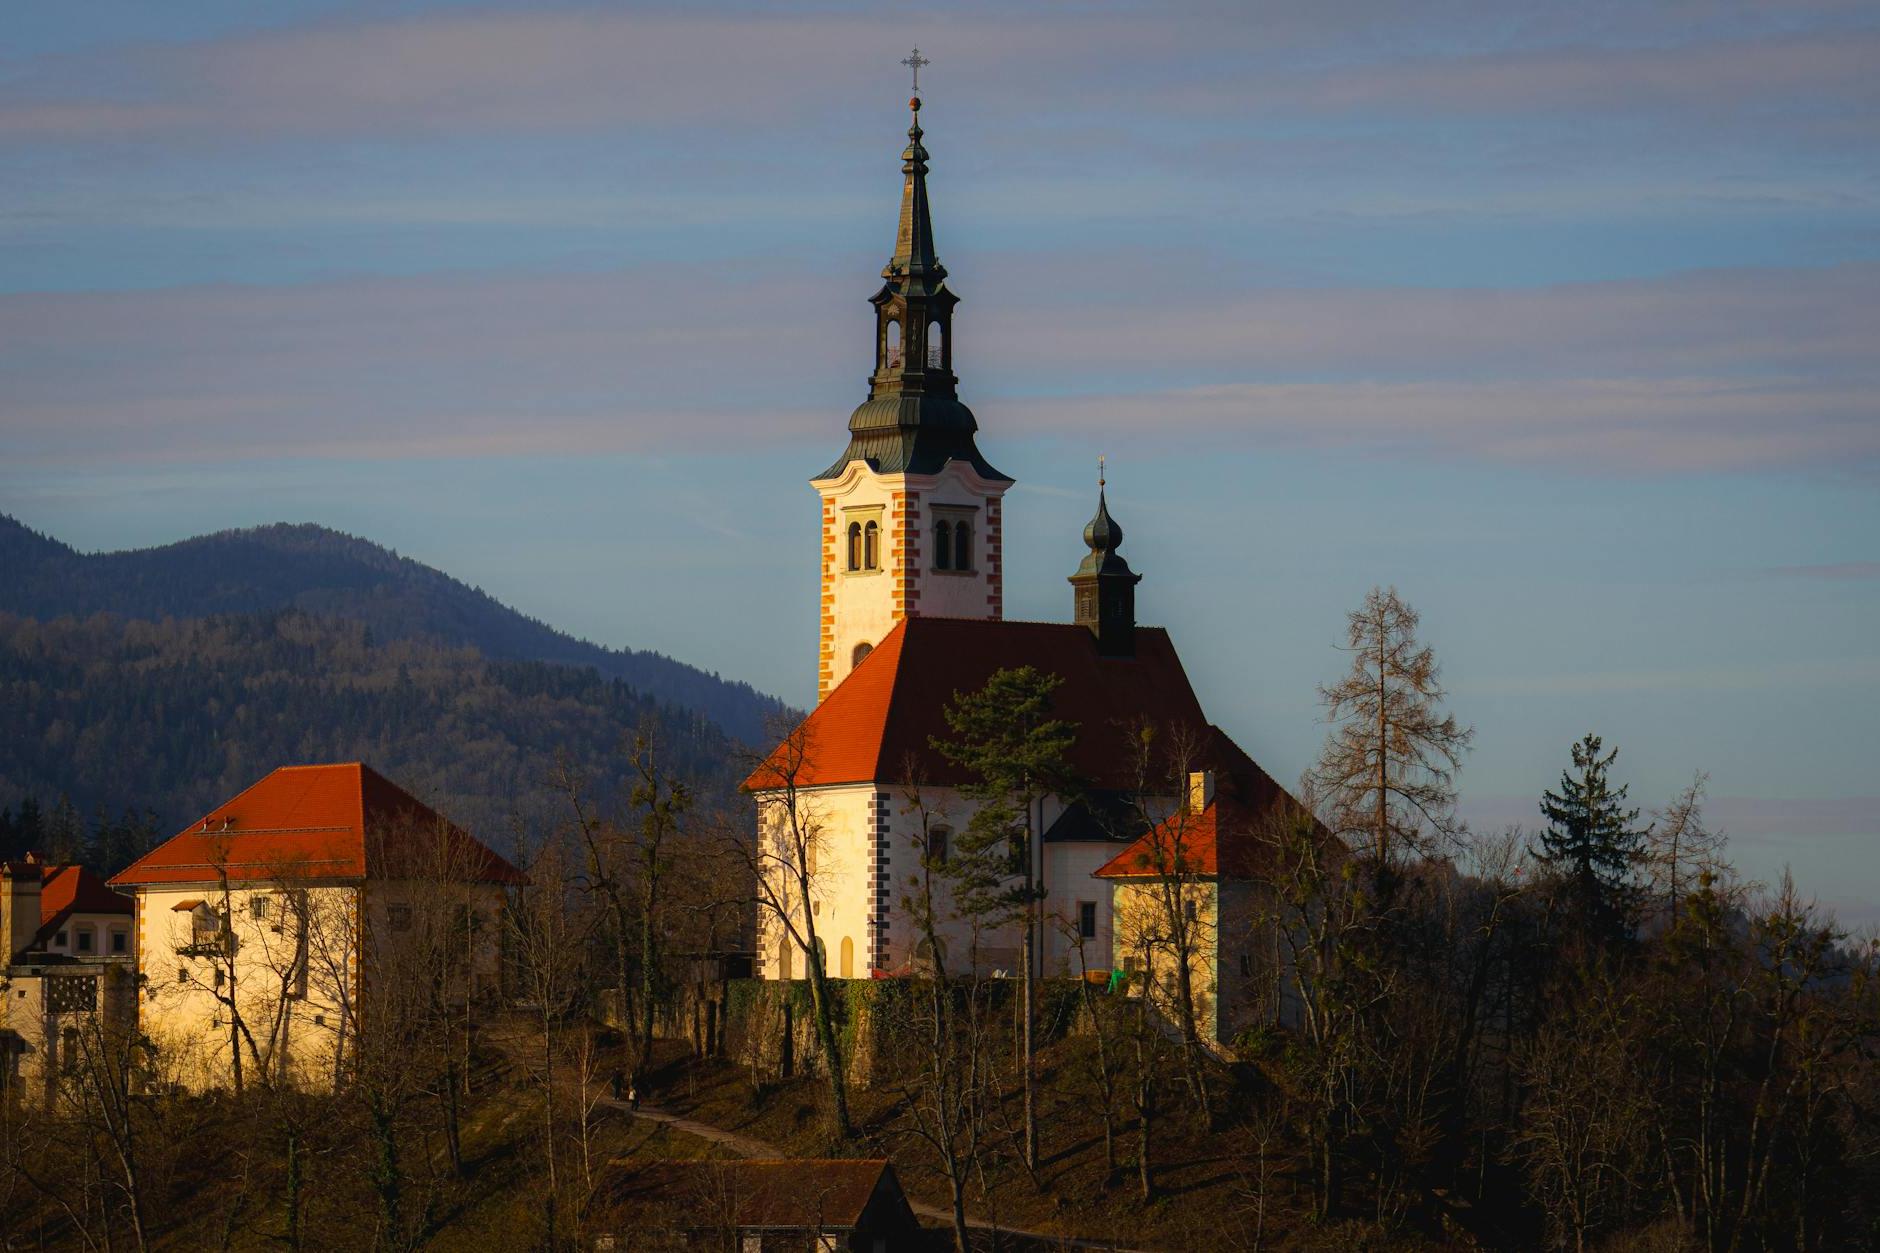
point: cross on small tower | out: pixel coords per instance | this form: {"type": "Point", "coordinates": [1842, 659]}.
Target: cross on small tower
{"type": "Point", "coordinates": [914, 63]}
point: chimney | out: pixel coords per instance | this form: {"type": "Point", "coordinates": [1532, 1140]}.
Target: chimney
{"type": "Point", "coordinates": [19, 906]}
{"type": "Point", "coordinates": [1200, 790]}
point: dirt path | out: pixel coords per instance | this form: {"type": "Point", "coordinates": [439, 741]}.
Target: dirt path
{"type": "Point", "coordinates": [748, 1146]}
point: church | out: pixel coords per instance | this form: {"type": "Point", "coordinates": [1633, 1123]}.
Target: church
{"type": "Point", "coordinates": [912, 614]}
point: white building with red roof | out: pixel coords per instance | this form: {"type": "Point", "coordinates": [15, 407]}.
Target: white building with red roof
{"type": "Point", "coordinates": [68, 968]}
{"type": "Point", "coordinates": [265, 928]}
{"type": "Point", "coordinates": [912, 601]}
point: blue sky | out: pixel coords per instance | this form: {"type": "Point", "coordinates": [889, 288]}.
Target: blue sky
{"type": "Point", "coordinates": [1562, 319]}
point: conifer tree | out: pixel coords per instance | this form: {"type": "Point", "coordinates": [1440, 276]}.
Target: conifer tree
{"type": "Point", "coordinates": [1387, 773]}
{"type": "Point", "coordinates": [1005, 736]}
{"type": "Point", "coordinates": [1591, 842]}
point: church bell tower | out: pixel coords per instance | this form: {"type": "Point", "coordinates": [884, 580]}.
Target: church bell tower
{"type": "Point", "coordinates": [910, 511]}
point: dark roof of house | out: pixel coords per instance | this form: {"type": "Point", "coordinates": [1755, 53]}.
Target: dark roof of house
{"type": "Point", "coordinates": [880, 722]}
{"type": "Point", "coordinates": [1100, 815]}
{"type": "Point", "coordinates": [69, 889]}
{"type": "Point", "coordinates": [1230, 838]}
{"type": "Point", "coordinates": [793, 1193]}
{"type": "Point", "coordinates": [344, 821]}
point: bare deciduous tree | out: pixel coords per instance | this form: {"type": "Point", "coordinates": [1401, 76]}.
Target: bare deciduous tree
{"type": "Point", "coordinates": [1386, 773]}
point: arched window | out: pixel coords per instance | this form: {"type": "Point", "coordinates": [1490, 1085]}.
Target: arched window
{"type": "Point", "coordinates": [871, 546]}
{"type": "Point", "coordinates": [938, 840]}
{"type": "Point", "coordinates": [861, 651]}
{"type": "Point", "coordinates": [943, 545]}
{"type": "Point", "coordinates": [891, 354]}
{"type": "Point", "coordinates": [848, 958]}
{"type": "Point", "coordinates": [855, 546]}
{"type": "Point", "coordinates": [962, 546]}
{"type": "Point", "coordinates": [784, 963]}
{"type": "Point", "coordinates": [936, 345]}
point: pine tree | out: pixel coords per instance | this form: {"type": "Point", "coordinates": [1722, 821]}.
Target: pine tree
{"type": "Point", "coordinates": [1591, 842]}
{"type": "Point", "coordinates": [1004, 735]}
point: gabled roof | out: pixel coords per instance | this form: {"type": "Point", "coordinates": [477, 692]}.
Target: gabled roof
{"type": "Point", "coordinates": [80, 890]}
{"type": "Point", "coordinates": [794, 1193]}
{"type": "Point", "coordinates": [1227, 839]}
{"type": "Point", "coordinates": [882, 719]}
{"type": "Point", "coordinates": [342, 821]}
{"type": "Point", "coordinates": [70, 889]}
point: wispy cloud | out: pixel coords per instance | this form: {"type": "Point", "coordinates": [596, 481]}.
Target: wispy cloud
{"type": "Point", "coordinates": [1835, 571]}
{"type": "Point", "coordinates": [1695, 373]}
{"type": "Point", "coordinates": [562, 67]}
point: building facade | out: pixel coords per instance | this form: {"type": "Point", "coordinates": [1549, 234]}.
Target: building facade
{"type": "Point", "coordinates": [911, 568]}
{"type": "Point", "coordinates": [278, 928]}
{"type": "Point", "coordinates": [67, 990]}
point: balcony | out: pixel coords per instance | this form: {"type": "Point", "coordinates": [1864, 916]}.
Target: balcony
{"type": "Point", "coordinates": [208, 942]}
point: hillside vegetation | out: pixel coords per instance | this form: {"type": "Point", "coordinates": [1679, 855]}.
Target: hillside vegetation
{"type": "Point", "coordinates": [177, 715]}
{"type": "Point", "coordinates": [330, 574]}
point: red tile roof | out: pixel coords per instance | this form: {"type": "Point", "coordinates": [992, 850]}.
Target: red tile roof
{"type": "Point", "coordinates": [66, 890]}
{"type": "Point", "coordinates": [1225, 839]}
{"type": "Point", "coordinates": [884, 716]}
{"type": "Point", "coordinates": [343, 821]}
{"type": "Point", "coordinates": [80, 890]}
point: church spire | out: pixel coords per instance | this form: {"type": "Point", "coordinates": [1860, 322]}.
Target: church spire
{"type": "Point", "coordinates": [913, 421]}
{"type": "Point", "coordinates": [1104, 585]}
{"type": "Point", "coordinates": [913, 242]}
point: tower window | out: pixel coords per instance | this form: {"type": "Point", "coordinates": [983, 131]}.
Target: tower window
{"type": "Point", "coordinates": [855, 546]}
{"type": "Point", "coordinates": [871, 546]}
{"type": "Point", "coordinates": [962, 546]}
{"type": "Point", "coordinates": [936, 346]}
{"type": "Point", "coordinates": [943, 545]}
{"type": "Point", "coordinates": [861, 652]}
{"type": "Point", "coordinates": [891, 344]}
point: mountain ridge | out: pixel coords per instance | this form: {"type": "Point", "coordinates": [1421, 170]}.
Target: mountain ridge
{"type": "Point", "coordinates": [331, 573]}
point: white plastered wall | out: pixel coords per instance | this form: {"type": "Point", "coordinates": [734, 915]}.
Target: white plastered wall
{"type": "Point", "coordinates": [298, 1022]}
{"type": "Point", "coordinates": [848, 877]}
{"type": "Point", "coordinates": [861, 606]}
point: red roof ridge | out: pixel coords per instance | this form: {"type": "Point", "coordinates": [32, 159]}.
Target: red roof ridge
{"type": "Point", "coordinates": [325, 815]}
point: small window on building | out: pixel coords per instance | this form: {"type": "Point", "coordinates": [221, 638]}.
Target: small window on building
{"type": "Point", "coordinates": [120, 942]}
{"type": "Point", "coordinates": [871, 546]}
{"type": "Point", "coordinates": [939, 840]}
{"type": "Point", "coordinates": [861, 651]}
{"type": "Point", "coordinates": [943, 545]}
{"type": "Point", "coordinates": [258, 907]}
{"type": "Point", "coordinates": [58, 941]}
{"type": "Point", "coordinates": [398, 917]}
{"type": "Point", "coordinates": [1188, 908]}
{"type": "Point", "coordinates": [1087, 919]}
{"type": "Point", "coordinates": [218, 976]}
{"type": "Point", "coordinates": [892, 344]}
{"type": "Point", "coordinates": [182, 974]}
{"type": "Point", "coordinates": [936, 345]}
{"type": "Point", "coordinates": [84, 939]}
{"type": "Point", "coordinates": [855, 546]}
{"type": "Point", "coordinates": [962, 546]}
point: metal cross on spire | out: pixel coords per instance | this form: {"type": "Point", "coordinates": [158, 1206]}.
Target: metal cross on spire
{"type": "Point", "coordinates": [914, 63]}
{"type": "Point", "coordinates": [1102, 477]}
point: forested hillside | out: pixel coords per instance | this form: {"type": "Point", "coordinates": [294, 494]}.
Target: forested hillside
{"type": "Point", "coordinates": [334, 575]}
{"type": "Point", "coordinates": [176, 715]}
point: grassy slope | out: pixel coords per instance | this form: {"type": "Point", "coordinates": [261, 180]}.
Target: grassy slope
{"type": "Point", "coordinates": [1207, 1194]}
